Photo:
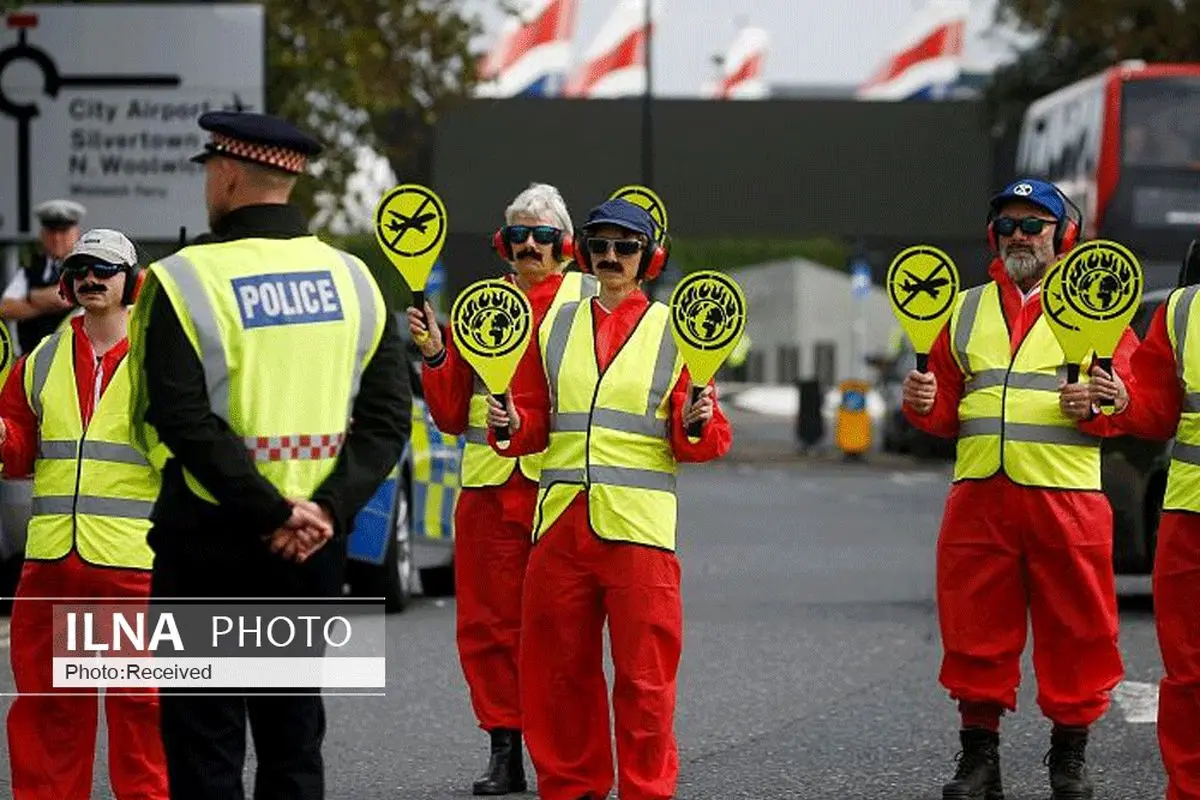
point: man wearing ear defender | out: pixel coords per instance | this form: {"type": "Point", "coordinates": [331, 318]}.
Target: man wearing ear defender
{"type": "Point", "coordinates": [65, 419]}
{"type": "Point", "coordinates": [611, 412]}
{"type": "Point", "coordinates": [1026, 529]}
{"type": "Point", "coordinates": [495, 505]}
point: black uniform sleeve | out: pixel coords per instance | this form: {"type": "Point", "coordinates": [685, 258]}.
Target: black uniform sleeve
{"type": "Point", "coordinates": [380, 427]}
{"type": "Point", "coordinates": [200, 440]}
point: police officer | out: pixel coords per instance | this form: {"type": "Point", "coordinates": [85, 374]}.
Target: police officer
{"type": "Point", "coordinates": [250, 396]}
{"type": "Point", "coordinates": [32, 298]}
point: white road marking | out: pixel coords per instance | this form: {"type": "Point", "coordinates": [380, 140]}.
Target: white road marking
{"type": "Point", "coordinates": [1138, 702]}
{"type": "Point", "coordinates": [3, 633]}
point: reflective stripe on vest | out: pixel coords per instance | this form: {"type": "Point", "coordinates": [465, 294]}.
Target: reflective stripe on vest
{"type": "Point", "coordinates": [481, 465]}
{"type": "Point", "coordinates": [609, 433]}
{"type": "Point", "coordinates": [1009, 415]}
{"type": "Point", "coordinates": [283, 352]}
{"type": "Point", "coordinates": [92, 490]}
{"type": "Point", "coordinates": [1183, 475]}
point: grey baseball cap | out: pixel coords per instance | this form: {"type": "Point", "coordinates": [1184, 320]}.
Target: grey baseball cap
{"type": "Point", "coordinates": [104, 244]}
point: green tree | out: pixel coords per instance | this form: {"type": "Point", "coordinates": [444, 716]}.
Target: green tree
{"type": "Point", "coordinates": [1081, 37]}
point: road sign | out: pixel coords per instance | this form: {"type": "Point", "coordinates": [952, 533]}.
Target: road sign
{"type": "Point", "coordinates": [112, 124]}
{"type": "Point", "coordinates": [860, 278]}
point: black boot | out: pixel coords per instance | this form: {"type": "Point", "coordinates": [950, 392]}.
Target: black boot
{"type": "Point", "coordinates": [506, 769]}
{"type": "Point", "coordinates": [1068, 766]}
{"type": "Point", "coordinates": [978, 775]}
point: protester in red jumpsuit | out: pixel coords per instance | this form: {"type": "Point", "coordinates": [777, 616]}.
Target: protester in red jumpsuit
{"type": "Point", "coordinates": [580, 572]}
{"type": "Point", "coordinates": [495, 504]}
{"type": "Point", "coordinates": [1007, 550]}
{"type": "Point", "coordinates": [1158, 398]}
{"type": "Point", "coordinates": [52, 740]}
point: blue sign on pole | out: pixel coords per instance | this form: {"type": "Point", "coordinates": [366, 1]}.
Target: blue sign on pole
{"type": "Point", "coordinates": [860, 278]}
{"type": "Point", "coordinates": [435, 284]}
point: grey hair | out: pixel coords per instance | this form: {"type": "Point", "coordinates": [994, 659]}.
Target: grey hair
{"type": "Point", "coordinates": [541, 200]}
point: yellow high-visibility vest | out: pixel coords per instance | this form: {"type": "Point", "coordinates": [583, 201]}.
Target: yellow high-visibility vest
{"type": "Point", "coordinates": [481, 465]}
{"type": "Point", "coordinates": [1009, 417]}
{"type": "Point", "coordinates": [284, 329]}
{"type": "Point", "coordinates": [609, 433]}
{"type": "Point", "coordinates": [92, 490]}
{"type": "Point", "coordinates": [1183, 475]}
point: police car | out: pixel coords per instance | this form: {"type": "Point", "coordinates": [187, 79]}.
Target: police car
{"type": "Point", "coordinates": [403, 539]}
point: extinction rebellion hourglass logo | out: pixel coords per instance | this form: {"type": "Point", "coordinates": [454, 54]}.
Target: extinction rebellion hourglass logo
{"type": "Point", "coordinates": [53, 82]}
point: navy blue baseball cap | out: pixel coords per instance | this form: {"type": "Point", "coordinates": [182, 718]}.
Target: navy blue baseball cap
{"type": "Point", "coordinates": [623, 214]}
{"type": "Point", "coordinates": [258, 139]}
{"type": "Point", "coordinates": [1035, 191]}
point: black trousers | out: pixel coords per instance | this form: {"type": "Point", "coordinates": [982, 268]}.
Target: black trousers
{"type": "Point", "coordinates": [204, 735]}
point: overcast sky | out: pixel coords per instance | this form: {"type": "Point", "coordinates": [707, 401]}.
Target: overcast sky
{"type": "Point", "coordinates": [823, 42]}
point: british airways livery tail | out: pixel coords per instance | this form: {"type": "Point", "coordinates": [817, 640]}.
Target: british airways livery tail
{"type": "Point", "coordinates": [615, 63]}
{"type": "Point", "coordinates": [927, 60]}
{"type": "Point", "coordinates": [742, 68]}
{"type": "Point", "coordinates": [533, 53]}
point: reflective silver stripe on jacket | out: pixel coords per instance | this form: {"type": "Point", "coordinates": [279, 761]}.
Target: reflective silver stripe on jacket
{"type": "Point", "coordinates": [42, 361]}
{"type": "Point", "coordinates": [68, 450]}
{"type": "Point", "coordinates": [1025, 432]}
{"type": "Point", "coordinates": [645, 424]}
{"type": "Point", "coordinates": [1187, 453]}
{"type": "Point", "coordinates": [988, 378]}
{"type": "Point", "coordinates": [966, 323]}
{"type": "Point", "coordinates": [208, 334]}
{"type": "Point", "coordinates": [65, 504]}
{"type": "Point", "coordinates": [612, 476]}
{"type": "Point", "coordinates": [1183, 310]}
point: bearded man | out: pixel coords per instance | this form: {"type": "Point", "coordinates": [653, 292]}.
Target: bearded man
{"type": "Point", "coordinates": [1027, 530]}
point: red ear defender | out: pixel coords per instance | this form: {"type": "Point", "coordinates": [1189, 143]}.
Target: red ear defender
{"type": "Point", "coordinates": [993, 245]}
{"type": "Point", "coordinates": [656, 259]}
{"type": "Point", "coordinates": [500, 245]}
{"type": "Point", "coordinates": [566, 247]}
{"type": "Point", "coordinates": [1069, 237]}
{"type": "Point", "coordinates": [64, 289]}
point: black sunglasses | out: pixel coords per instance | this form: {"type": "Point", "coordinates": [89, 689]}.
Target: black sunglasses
{"type": "Point", "coordinates": [599, 246]}
{"type": "Point", "coordinates": [1031, 226]}
{"type": "Point", "coordinates": [542, 234]}
{"type": "Point", "coordinates": [97, 268]}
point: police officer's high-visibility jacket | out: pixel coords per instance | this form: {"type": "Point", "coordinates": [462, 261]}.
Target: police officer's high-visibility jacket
{"type": "Point", "coordinates": [91, 488]}
{"type": "Point", "coordinates": [284, 329]}
{"type": "Point", "coordinates": [1183, 329]}
{"type": "Point", "coordinates": [609, 433]}
{"type": "Point", "coordinates": [481, 465]}
{"type": "Point", "coordinates": [1009, 416]}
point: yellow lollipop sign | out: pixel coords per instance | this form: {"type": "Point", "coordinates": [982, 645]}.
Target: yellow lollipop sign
{"type": "Point", "coordinates": [1092, 295]}
{"type": "Point", "coordinates": [922, 284]}
{"type": "Point", "coordinates": [708, 317]}
{"type": "Point", "coordinates": [410, 226]}
{"type": "Point", "coordinates": [647, 199]}
{"type": "Point", "coordinates": [492, 323]}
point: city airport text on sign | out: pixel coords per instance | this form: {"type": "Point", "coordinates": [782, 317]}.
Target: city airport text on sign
{"type": "Point", "coordinates": [113, 125]}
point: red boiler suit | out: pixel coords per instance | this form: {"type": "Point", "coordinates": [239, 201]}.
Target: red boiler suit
{"type": "Point", "coordinates": [1006, 550]}
{"type": "Point", "coordinates": [575, 581]}
{"type": "Point", "coordinates": [1153, 413]}
{"type": "Point", "coordinates": [52, 740]}
{"type": "Point", "coordinates": [492, 533]}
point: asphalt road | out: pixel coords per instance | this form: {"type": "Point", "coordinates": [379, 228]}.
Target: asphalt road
{"type": "Point", "coordinates": [811, 653]}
